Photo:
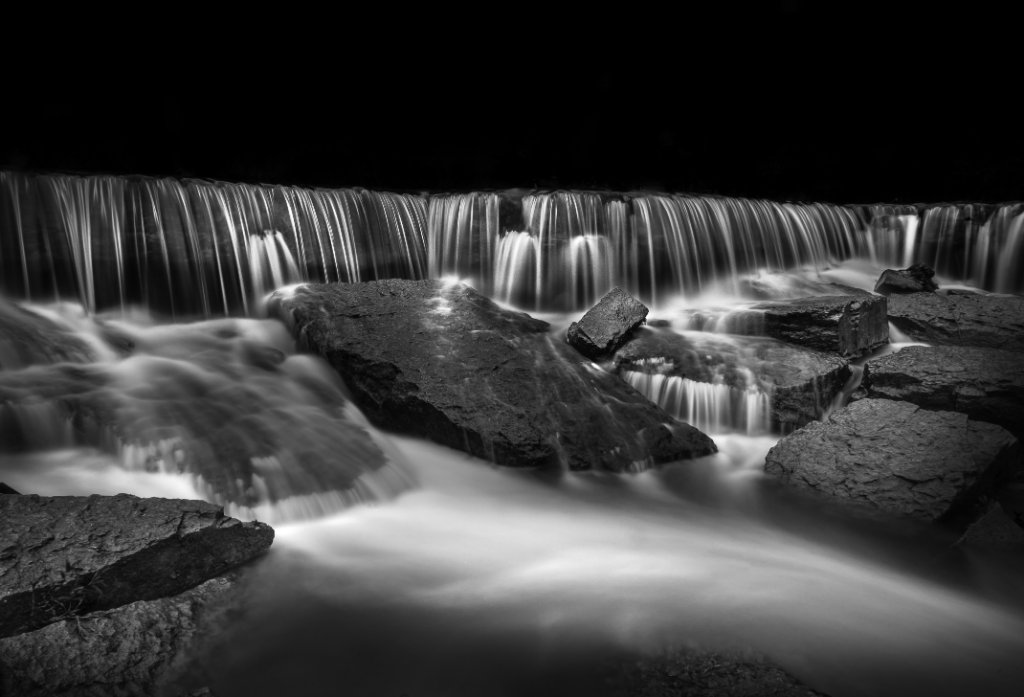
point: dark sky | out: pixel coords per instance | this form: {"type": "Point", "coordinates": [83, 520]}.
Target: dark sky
{"type": "Point", "coordinates": [789, 106]}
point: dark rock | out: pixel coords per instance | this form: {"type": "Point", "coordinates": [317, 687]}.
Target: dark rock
{"type": "Point", "coordinates": [27, 338]}
{"type": "Point", "coordinates": [963, 319]}
{"type": "Point", "coordinates": [916, 278]}
{"type": "Point", "coordinates": [4, 489]}
{"type": "Point", "coordinates": [607, 325]}
{"type": "Point", "coordinates": [801, 382]}
{"type": "Point", "coordinates": [66, 556]}
{"type": "Point", "coordinates": [700, 673]}
{"type": "Point", "coordinates": [848, 325]}
{"type": "Point", "coordinates": [136, 649]}
{"type": "Point", "coordinates": [995, 531]}
{"type": "Point", "coordinates": [899, 458]}
{"type": "Point", "coordinates": [985, 384]}
{"type": "Point", "coordinates": [442, 361]}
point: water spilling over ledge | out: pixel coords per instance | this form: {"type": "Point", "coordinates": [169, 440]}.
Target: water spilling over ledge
{"type": "Point", "coordinates": [212, 248]}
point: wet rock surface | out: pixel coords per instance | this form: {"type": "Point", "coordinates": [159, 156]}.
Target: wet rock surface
{"type": "Point", "coordinates": [63, 557]}
{"type": "Point", "coordinates": [895, 457]}
{"type": "Point", "coordinates": [916, 278]}
{"type": "Point", "coordinates": [700, 673]}
{"type": "Point", "coordinates": [443, 362]}
{"type": "Point", "coordinates": [28, 338]}
{"type": "Point", "coordinates": [136, 649]}
{"type": "Point", "coordinates": [985, 384]}
{"type": "Point", "coordinates": [607, 325]}
{"type": "Point", "coordinates": [802, 382]}
{"type": "Point", "coordinates": [962, 319]}
{"type": "Point", "coordinates": [850, 326]}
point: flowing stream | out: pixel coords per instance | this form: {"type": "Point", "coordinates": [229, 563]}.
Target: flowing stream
{"type": "Point", "coordinates": [433, 573]}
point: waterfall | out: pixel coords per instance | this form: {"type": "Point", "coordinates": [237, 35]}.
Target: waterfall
{"type": "Point", "coordinates": [194, 247]}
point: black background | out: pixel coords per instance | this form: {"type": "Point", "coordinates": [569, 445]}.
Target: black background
{"type": "Point", "coordinates": [785, 102]}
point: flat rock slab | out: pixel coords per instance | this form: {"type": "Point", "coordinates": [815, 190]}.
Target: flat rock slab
{"type": "Point", "coordinates": [607, 325]}
{"type": "Point", "coordinates": [66, 556]}
{"type": "Point", "coordinates": [442, 361]}
{"type": "Point", "coordinates": [983, 383]}
{"type": "Point", "coordinates": [802, 382]}
{"type": "Point", "coordinates": [848, 325]}
{"type": "Point", "coordinates": [885, 455]}
{"type": "Point", "coordinates": [962, 319]}
{"type": "Point", "coordinates": [136, 649]}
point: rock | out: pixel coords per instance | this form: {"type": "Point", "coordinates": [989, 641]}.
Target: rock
{"type": "Point", "coordinates": [995, 531]}
{"type": "Point", "coordinates": [985, 384]}
{"type": "Point", "coordinates": [65, 556]}
{"type": "Point", "coordinates": [443, 362]}
{"type": "Point", "coordinates": [607, 325]}
{"type": "Point", "coordinates": [137, 649]}
{"type": "Point", "coordinates": [848, 325]}
{"type": "Point", "coordinates": [962, 319]}
{"type": "Point", "coordinates": [4, 489]}
{"type": "Point", "coordinates": [701, 673]}
{"type": "Point", "coordinates": [801, 382]}
{"type": "Point", "coordinates": [28, 338]}
{"type": "Point", "coordinates": [898, 458]}
{"type": "Point", "coordinates": [916, 278]}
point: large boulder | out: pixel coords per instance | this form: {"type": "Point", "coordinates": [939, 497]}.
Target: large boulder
{"type": "Point", "coordinates": [607, 325]}
{"type": "Point", "coordinates": [141, 648]}
{"type": "Point", "coordinates": [441, 361]}
{"type": "Point", "coordinates": [895, 457]}
{"type": "Point", "coordinates": [850, 326]}
{"type": "Point", "coordinates": [801, 383]}
{"type": "Point", "coordinates": [985, 384]}
{"type": "Point", "coordinates": [962, 319]}
{"type": "Point", "coordinates": [916, 278]}
{"type": "Point", "coordinates": [65, 556]}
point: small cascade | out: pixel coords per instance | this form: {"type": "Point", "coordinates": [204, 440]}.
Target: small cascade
{"type": "Point", "coordinates": [714, 407]}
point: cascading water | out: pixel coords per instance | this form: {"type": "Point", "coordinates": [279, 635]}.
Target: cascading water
{"type": "Point", "coordinates": [463, 578]}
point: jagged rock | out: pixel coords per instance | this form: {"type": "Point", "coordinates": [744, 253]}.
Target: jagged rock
{"type": "Point", "coordinates": [985, 384]}
{"type": "Point", "coordinates": [137, 649]}
{"type": "Point", "coordinates": [607, 325]}
{"type": "Point", "coordinates": [442, 361]}
{"type": "Point", "coordinates": [848, 325]}
{"type": "Point", "coordinates": [28, 338]}
{"type": "Point", "coordinates": [916, 278]}
{"type": "Point", "coordinates": [896, 457]}
{"type": "Point", "coordinates": [701, 673]}
{"type": "Point", "coordinates": [963, 319]}
{"type": "Point", "coordinates": [65, 556]}
{"type": "Point", "coordinates": [802, 382]}
{"type": "Point", "coordinates": [995, 531]}
{"type": "Point", "coordinates": [4, 489]}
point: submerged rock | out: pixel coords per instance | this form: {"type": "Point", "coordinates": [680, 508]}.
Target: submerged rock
{"type": "Point", "coordinates": [962, 319]}
{"type": "Point", "coordinates": [995, 531]}
{"type": "Point", "coordinates": [892, 456]}
{"type": "Point", "coordinates": [983, 383]}
{"type": "Point", "coordinates": [801, 383]}
{"type": "Point", "coordinates": [136, 649]}
{"type": "Point", "coordinates": [607, 325]}
{"type": "Point", "coordinates": [28, 338]}
{"type": "Point", "coordinates": [850, 326]}
{"type": "Point", "coordinates": [443, 362]}
{"type": "Point", "coordinates": [916, 278]}
{"type": "Point", "coordinates": [62, 557]}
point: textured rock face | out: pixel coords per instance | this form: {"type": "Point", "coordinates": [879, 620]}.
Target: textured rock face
{"type": "Point", "coordinates": [985, 384]}
{"type": "Point", "coordinates": [444, 362]}
{"type": "Point", "coordinates": [607, 325]}
{"type": "Point", "coordinates": [136, 649]}
{"type": "Point", "coordinates": [896, 457]}
{"type": "Point", "coordinates": [802, 382]}
{"type": "Point", "coordinates": [27, 338]}
{"type": "Point", "coordinates": [848, 325]}
{"type": "Point", "coordinates": [65, 556]}
{"type": "Point", "coordinates": [916, 278]}
{"type": "Point", "coordinates": [963, 319]}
